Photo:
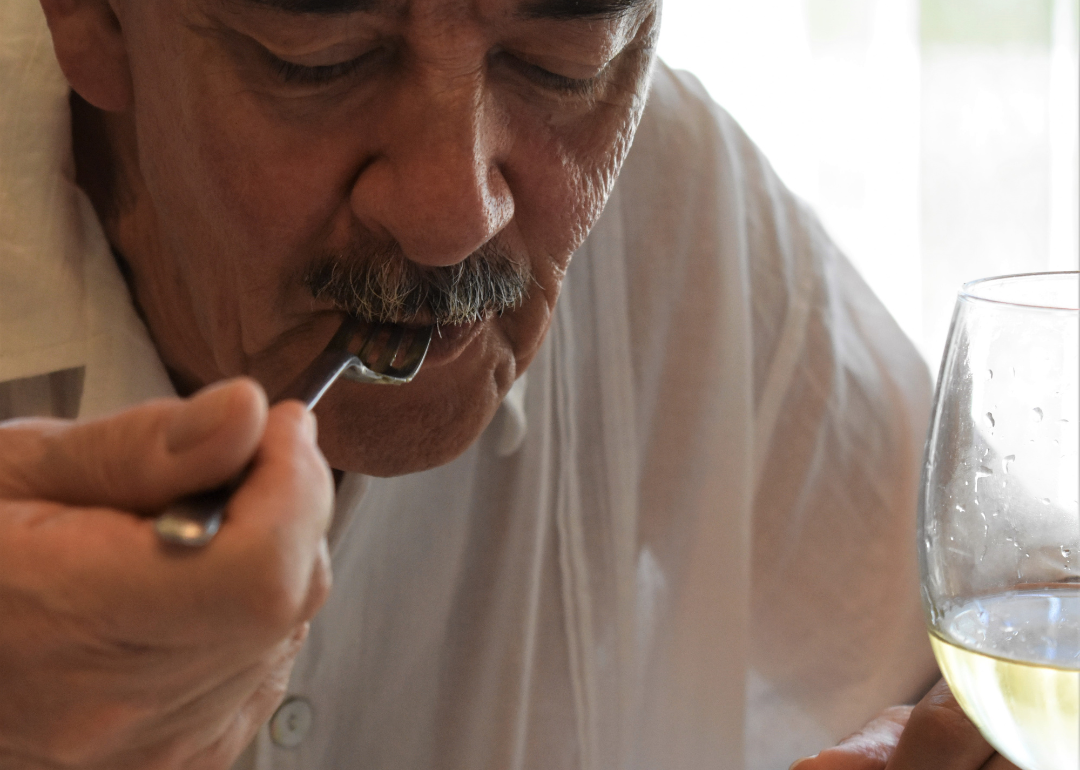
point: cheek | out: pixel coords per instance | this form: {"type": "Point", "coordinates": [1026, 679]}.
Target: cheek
{"type": "Point", "coordinates": [274, 193]}
{"type": "Point", "coordinates": [561, 177]}
{"type": "Point", "coordinates": [228, 173]}
{"type": "Point", "coordinates": [565, 173]}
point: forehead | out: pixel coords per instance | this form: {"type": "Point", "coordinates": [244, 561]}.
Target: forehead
{"type": "Point", "coordinates": [549, 9]}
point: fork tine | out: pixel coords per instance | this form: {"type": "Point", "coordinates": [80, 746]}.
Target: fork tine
{"type": "Point", "coordinates": [383, 362]}
{"type": "Point", "coordinates": [375, 361]}
{"type": "Point", "coordinates": [374, 345]}
{"type": "Point", "coordinates": [415, 347]}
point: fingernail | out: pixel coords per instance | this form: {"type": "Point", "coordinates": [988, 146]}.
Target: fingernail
{"type": "Point", "coordinates": [795, 765]}
{"type": "Point", "coordinates": [311, 427]}
{"type": "Point", "coordinates": [199, 418]}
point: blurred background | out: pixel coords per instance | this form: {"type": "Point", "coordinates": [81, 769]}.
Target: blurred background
{"type": "Point", "coordinates": [937, 139]}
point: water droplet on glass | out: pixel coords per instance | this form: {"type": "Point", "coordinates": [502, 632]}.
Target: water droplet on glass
{"type": "Point", "coordinates": [960, 508]}
{"type": "Point", "coordinates": [1012, 370]}
{"type": "Point", "coordinates": [1037, 414]}
{"type": "Point", "coordinates": [1007, 462]}
{"type": "Point", "coordinates": [990, 419]}
{"type": "Point", "coordinates": [1066, 551]}
{"type": "Point", "coordinates": [1046, 501]}
{"type": "Point", "coordinates": [991, 373]}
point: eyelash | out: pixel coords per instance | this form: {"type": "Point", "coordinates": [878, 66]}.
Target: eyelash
{"type": "Point", "coordinates": [300, 74]}
{"type": "Point", "coordinates": [559, 83]}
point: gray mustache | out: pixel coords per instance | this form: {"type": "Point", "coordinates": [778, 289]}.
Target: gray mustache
{"type": "Point", "coordinates": [389, 288]}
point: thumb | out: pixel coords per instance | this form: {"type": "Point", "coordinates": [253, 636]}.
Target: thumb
{"type": "Point", "coordinates": [140, 459]}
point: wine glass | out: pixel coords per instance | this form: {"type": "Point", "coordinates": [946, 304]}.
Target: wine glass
{"type": "Point", "coordinates": [999, 525]}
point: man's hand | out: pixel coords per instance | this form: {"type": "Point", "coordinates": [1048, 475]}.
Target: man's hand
{"type": "Point", "coordinates": [933, 735]}
{"type": "Point", "coordinates": [117, 651]}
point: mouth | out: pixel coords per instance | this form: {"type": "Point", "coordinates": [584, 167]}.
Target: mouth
{"type": "Point", "coordinates": [448, 341]}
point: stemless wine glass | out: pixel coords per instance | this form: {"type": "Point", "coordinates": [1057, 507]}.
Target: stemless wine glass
{"type": "Point", "coordinates": [999, 525]}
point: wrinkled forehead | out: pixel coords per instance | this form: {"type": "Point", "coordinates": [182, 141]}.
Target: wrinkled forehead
{"type": "Point", "coordinates": [551, 9]}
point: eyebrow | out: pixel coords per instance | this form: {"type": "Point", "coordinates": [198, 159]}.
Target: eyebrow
{"type": "Point", "coordinates": [534, 9]}
{"type": "Point", "coordinates": [579, 9]}
{"type": "Point", "coordinates": [318, 7]}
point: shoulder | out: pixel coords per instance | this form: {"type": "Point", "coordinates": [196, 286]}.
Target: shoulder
{"type": "Point", "coordinates": [698, 190]}
{"type": "Point", "coordinates": [686, 142]}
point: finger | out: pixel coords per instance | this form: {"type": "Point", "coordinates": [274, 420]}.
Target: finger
{"type": "Point", "coordinates": [939, 735]}
{"type": "Point", "coordinates": [267, 569]}
{"type": "Point", "coordinates": [140, 459]}
{"type": "Point", "coordinates": [868, 749]}
{"type": "Point", "coordinates": [272, 546]}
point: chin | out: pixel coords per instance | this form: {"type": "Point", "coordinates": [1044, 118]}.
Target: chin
{"type": "Point", "coordinates": [383, 430]}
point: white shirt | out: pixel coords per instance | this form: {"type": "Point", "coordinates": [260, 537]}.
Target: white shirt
{"type": "Point", "coordinates": [685, 542]}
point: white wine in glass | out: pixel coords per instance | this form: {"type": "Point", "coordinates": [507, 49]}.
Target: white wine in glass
{"type": "Point", "coordinates": [999, 522]}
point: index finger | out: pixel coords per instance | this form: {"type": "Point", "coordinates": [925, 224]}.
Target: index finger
{"type": "Point", "coordinates": [265, 571]}
{"type": "Point", "coordinates": [868, 749]}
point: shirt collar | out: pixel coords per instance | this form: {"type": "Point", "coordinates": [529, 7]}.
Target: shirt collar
{"type": "Point", "coordinates": [63, 303]}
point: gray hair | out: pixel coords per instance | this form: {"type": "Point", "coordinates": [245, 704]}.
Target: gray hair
{"type": "Point", "coordinates": [387, 287]}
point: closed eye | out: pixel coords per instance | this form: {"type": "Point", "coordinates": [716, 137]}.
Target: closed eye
{"type": "Point", "coordinates": [321, 74]}
{"type": "Point", "coordinates": [547, 79]}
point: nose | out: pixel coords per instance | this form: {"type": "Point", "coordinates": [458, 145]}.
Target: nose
{"type": "Point", "coordinates": [436, 186]}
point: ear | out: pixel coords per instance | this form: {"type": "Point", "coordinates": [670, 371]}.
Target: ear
{"type": "Point", "coordinates": [89, 45]}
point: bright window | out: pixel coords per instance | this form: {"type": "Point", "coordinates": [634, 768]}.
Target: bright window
{"type": "Point", "coordinates": [937, 139]}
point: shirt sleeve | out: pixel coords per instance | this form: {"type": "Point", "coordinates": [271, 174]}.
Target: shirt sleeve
{"type": "Point", "coordinates": [838, 401]}
{"type": "Point", "coordinates": [841, 403]}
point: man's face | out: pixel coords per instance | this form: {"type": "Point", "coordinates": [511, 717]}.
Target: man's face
{"type": "Point", "coordinates": [282, 141]}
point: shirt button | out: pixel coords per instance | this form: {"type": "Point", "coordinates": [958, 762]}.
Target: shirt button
{"type": "Point", "coordinates": [291, 722]}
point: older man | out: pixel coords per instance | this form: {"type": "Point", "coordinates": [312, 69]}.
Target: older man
{"type": "Point", "coordinates": [682, 538]}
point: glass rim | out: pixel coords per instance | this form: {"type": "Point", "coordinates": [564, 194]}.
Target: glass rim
{"type": "Point", "coordinates": [968, 291]}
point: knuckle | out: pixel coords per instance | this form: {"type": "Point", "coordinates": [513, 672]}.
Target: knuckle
{"type": "Point", "coordinates": [23, 446]}
{"type": "Point", "coordinates": [277, 603]}
{"type": "Point", "coordinates": [276, 594]}
{"type": "Point", "coordinates": [108, 460]}
{"type": "Point", "coordinates": [943, 716]}
{"type": "Point", "coordinates": [838, 759]}
{"type": "Point", "coordinates": [897, 714]}
{"type": "Point", "coordinates": [285, 587]}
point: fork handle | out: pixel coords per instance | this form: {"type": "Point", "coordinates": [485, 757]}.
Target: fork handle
{"type": "Point", "coordinates": [317, 378]}
{"type": "Point", "coordinates": [195, 519]}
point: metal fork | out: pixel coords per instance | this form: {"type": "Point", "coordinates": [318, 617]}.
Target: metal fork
{"type": "Point", "coordinates": [389, 355]}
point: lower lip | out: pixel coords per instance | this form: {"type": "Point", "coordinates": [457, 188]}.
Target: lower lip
{"type": "Point", "coordinates": [448, 342]}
